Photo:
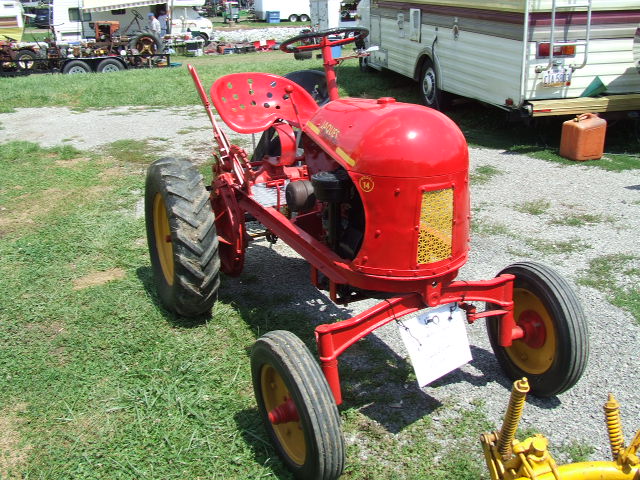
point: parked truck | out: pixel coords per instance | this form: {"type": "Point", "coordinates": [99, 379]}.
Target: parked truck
{"type": "Point", "coordinates": [529, 57]}
{"type": "Point", "coordinates": [292, 10]}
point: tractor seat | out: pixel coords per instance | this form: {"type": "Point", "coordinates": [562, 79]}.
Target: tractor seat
{"type": "Point", "coordinates": [252, 102]}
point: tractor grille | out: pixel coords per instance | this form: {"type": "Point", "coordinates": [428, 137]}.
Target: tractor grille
{"type": "Point", "coordinates": [436, 223]}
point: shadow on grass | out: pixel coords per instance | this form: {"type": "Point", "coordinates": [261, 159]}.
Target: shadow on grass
{"type": "Point", "coordinates": [250, 427]}
{"type": "Point", "coordinates": [145, 275]}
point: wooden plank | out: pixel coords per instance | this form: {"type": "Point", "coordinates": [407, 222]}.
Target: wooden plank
{"type": "Point", "coordinates": [568, 106]}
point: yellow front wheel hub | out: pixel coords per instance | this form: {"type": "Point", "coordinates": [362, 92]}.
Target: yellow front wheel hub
{"type": "Point", "coordinates": [162, 231]}
{"type": "Point", "coordinates": [535, 352]}
{"type": "Point", "coordinates": [290, 434]}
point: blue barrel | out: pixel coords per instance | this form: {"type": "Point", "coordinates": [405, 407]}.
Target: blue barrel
{"type": "Point", "coordinates": [273, 17]}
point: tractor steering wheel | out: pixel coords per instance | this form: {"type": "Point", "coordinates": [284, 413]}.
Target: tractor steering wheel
{"type": "Point", "coordinates": [317, 40]}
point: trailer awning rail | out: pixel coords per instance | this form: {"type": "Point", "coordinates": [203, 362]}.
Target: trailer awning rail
{"type": "Point", "coordinates": [106, 5]}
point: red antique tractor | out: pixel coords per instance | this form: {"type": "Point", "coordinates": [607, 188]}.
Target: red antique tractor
{"type": "Point", "coordinates": [374, 194]}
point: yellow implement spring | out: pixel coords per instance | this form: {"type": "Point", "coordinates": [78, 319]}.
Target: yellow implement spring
{"type": "Point", "coordinates": [512, 417]}
{"type": "Point", "coordinates": [614, 425]}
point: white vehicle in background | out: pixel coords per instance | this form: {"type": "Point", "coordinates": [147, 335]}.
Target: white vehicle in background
{"type": "Point", "coordinates": [72, 19]}
{"type": "Point", "coordinates": [292, 10]}
{"type": "Point", "coordinates": [529, 57]}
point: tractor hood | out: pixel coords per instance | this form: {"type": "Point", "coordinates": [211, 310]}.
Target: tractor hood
{"type": "Point", "coordinates": [390, 139]}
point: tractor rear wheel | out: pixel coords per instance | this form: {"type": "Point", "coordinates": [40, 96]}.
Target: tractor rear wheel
{"type": "Point", "coordinates": [297, 406]}
{"type": "Point", "coordinates": [553, 353]}
{"type": "Point", "coordinates": [26, 59]}
{"type": "Point", "coordinates": [182, 237]}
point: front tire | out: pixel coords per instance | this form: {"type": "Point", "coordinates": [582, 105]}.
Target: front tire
{"type": "Point", "coordinates": [182, 238]}
{"type": "Point", "coordinates": [554, 351]}
{"type": "Point", "coordinates": [285, 372]}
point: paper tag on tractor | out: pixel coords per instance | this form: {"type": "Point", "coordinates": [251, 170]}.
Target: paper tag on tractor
{"type": "Point", "coordinates": [437, 342]}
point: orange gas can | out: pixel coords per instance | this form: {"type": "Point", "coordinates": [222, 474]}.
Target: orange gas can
{"type": "Point", "coordinates": [583, 137]}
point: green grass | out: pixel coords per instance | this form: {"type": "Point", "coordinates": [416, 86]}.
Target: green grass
{"type": "Point", "coordinates": [558, 247]}
{"type": "Point", "coordinates": [98, 381]}
{"type": "Point", "coordinates": [132, 151]}
{"type": "Point", "coordinates": [618, 278]}
{"type": "Point", "coordinates": [580, 219]}
{"type": "Point", "coordinates": [483, 174]}
{"type": "Point", "coordinates": [533, 207]}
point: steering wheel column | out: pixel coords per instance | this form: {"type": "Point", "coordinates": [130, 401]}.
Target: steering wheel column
{"type": "Point", "coordinates": [322, 41]}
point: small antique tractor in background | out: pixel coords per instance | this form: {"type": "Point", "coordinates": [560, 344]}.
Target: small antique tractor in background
{"type": "Point", "coordinates": [374, 194]}
{"type": "Point", "coordinates": [509, 459]}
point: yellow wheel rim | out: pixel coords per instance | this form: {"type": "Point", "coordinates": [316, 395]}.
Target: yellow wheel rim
{"type": "Point", "coordinates": [532, 359]}
{"type": "Point", "coordinates": [162, 232]}
{"type": "Point", "coordinates": [290, 434]}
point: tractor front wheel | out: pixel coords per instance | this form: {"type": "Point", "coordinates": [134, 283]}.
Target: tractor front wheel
{"type": "Point", "coordinates": [182, 238]}
{"type": "Point", "coordinates": [554, 350]}
{"type": "Point", "coordinates": [297, 406]}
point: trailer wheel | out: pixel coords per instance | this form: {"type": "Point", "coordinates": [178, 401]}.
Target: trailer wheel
{"type": "Point", "coordinates": [109, 65]}
{"type": "Point", "coordinates": [553, 353]}
{"type": "Point", "coordinates": [430, 94]}
{"type": "Point", "coordinates": [304, 17]}
{"type": "Point", "coordinates": [76, 66]}
{"type": "Point", "coordinates": [182, 238]}
{"type": "Point", "coordinates": [26, 60]}
{"type": "Point", "coordinates": [297, 407]}
{"type": "Point", "coordinates": [293, 18]}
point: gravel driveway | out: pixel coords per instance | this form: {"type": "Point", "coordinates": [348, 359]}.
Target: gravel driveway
{"type": "Point", "coordinates": [508, 231]}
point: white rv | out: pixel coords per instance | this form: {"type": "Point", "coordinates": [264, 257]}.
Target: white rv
{"type": "Point", "coordinates": [72, 19]}
{"type": "Point", "coordinates": [529, 57]}
{"type": "Point", "coordinates": [292, 10]}
{"type": "Point", "coordinates": [11, 20]}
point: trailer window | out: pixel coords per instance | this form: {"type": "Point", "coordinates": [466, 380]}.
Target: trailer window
{"type": "Point", "coordinates": [119, 11]}
{"type": "Point", "coordinates": [74, 15]}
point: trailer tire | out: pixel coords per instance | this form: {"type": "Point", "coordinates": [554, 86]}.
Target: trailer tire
{"type": "Point", "coordinates": [147, 43]}
{"type": "Point", "coordinates": [293, 17]}
{"type": "Point", "coordinates": [182, 237]}
{"type": "Point", "coordinates": [76, 66]}
{"type": "Point", "coordinates": [109, 65]}
{"type": "Point", "coordinates": [430, 93]}
{"type": "Point", "coordinates": [26, 60]}
{"type": "Point", "coordinates": [304, 18]}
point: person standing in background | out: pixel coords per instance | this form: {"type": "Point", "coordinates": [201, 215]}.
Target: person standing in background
{"type": "Point", "coordinates": [154, 24]}
{"type": "Point", "coordinates": [163, 18]}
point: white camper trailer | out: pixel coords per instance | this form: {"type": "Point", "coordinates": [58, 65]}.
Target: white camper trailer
{"type": "Point", "coordinates": [72, 18]}
{"type": "Point", "coordinates": [292, 10]}
{"type": "Point", "coordinates": [11, 20]}
{"type": "Point", "coordinates": [529, 57]}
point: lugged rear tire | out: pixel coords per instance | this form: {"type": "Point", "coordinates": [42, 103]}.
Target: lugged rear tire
{"type": "Point", "coordinates": [182, 237]}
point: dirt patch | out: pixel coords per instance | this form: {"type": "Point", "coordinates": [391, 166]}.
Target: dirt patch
{"type": "Point", "coordinates": [12, 454]}
{"type": "Point", "coordinates": [71, 162]}
{"type": "Point", "coordinates": [98, 278]}
{"type": "Point", "coordinates": [27, 208]}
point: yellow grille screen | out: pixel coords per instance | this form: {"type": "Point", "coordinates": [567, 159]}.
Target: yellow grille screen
{"type": "Point", "coordinates": [436, 223]}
